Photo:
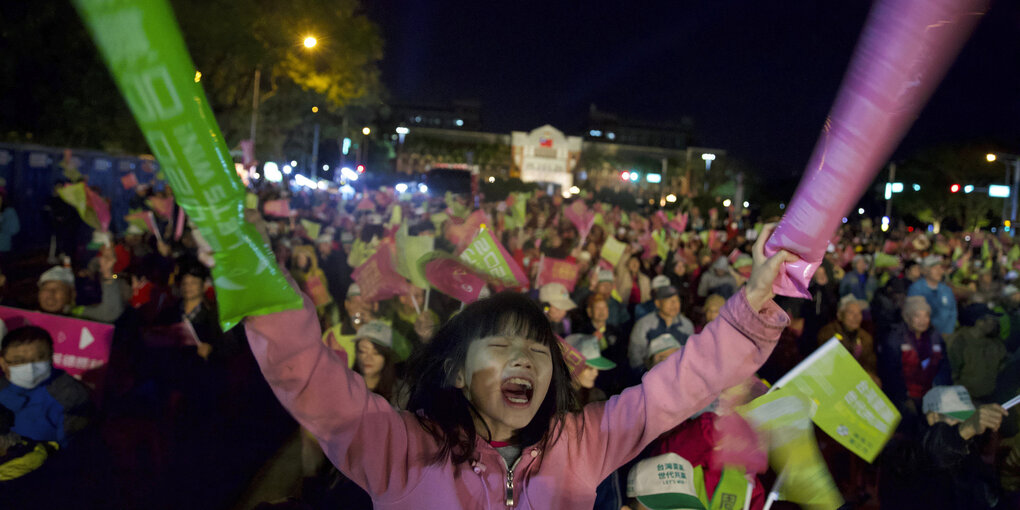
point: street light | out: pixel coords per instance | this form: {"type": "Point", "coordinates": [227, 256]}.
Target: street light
{"type": "Point", "coordinates": [309, 43]}
{"type": "Point", "coordinates": [366, 130]}
{"type": "Point", "coordinates": [990, 157]}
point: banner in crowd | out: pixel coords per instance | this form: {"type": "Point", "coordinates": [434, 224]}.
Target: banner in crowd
{"type": "Point", "coordinates": [377, 277]}
{"type": "Point", "coordinates": [277, 208]}
{"type": "Point", "coordinates": [557, 271]}
{"type": "Point", "coordinates": [452, 276]}
{"type": "Point", "coordinates": [781, 417]}
{"type": "Point", "coordinates": [488, 256]}
{"type": "Point", "coordinates": [78, 345]}
{"type": "Point", "coordinates": [849, 406]}
{"type": "Point", "coordinates": [409, 250]}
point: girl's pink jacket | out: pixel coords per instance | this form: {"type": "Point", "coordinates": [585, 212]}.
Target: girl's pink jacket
{"type": "Point", "coordinates": [387, 452]}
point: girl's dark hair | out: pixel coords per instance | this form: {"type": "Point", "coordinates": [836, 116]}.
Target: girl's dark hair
{"type": "Point", "coordinates": [443, 410]}
{"type": "Point", "coordinates": [388, 376]}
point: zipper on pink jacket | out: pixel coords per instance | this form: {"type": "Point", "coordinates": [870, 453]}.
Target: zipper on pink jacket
{"type": "Point", "coordinates": [510, 503]}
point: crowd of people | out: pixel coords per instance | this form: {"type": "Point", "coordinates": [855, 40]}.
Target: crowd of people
{"type": "Point", "coordinates": [933, 318]}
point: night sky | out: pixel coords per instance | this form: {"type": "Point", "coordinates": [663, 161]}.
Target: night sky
{"type": "Point", "coordinates": [757, 77]}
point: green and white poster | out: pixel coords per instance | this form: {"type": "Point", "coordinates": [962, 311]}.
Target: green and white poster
{"type": "Point", "coordinates": [846, 402]}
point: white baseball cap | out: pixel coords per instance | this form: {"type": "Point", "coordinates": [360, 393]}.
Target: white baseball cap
{"type": "Point", "coordinates": [664, 482]}
{"type": "Point", "coordinates": [556, 294]}
{"type": "Point", "coordinates": [377, 332]}
{"type": "Point", "coordinates": [948, 400]}
{"type": "Point", "coordinates": [662, 343]}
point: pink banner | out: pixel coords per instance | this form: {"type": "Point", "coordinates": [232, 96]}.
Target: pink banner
{"type": "Point", "coordinates": [557, 271]}
{"type": "Point", "coordinates": [277, 208]}
{"type": "Point", "coordinates": [454, 278]}
{"type": "Point", "coordinates": [378, 278]}
{"type": "Point", "coordinates": [904, 51]}
{"type": "Point", "coordinates": [80, 347]}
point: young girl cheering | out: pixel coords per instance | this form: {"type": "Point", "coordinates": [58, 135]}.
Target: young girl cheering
{"type": "Point", "coordinates": [490, 424]}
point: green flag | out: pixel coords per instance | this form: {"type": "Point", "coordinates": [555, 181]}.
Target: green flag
{"type": "Point", "coordinates": [311, 228]}
{"type": "Point", "coordinates": [486, 256]}
{"type": "Point", "coordinates": [519, 209]}
{"type": "Point", "coordinates": [409, 250]}
{"type": "Point", "coordinates": [849, 406]}
{"type": "Point", "coordinates": [613, 250]}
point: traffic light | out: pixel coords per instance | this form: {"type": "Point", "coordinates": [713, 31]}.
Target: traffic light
{"type": "Point", "coordinates": [625, 176]}
{"type": "Point", "coordinates": [361, 169]}
{"type": "Point", "coordinates": [954, 188]}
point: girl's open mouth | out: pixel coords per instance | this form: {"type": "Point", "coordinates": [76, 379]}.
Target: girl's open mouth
{"type": "Point", "coordinates": [517, 391]}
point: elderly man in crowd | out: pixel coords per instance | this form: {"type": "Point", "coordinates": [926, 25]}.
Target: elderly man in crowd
{"type": "Point", "coordinates": [56, 292]}
{"type": "Point", "coordinates": [666, 319]}
{"type": "Point", "coordinates": [847, 329]}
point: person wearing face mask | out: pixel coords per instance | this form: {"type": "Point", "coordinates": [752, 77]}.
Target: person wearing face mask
{"type": "Point", "coordinates": [48, 404]}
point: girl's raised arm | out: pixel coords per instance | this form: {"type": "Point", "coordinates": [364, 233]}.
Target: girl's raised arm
{"type": "Point", "coordinates": [728, 351]}
{"type": "Point", "coordinates": [359, 431]}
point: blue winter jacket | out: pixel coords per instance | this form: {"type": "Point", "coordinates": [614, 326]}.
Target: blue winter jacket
{"type": "Point", "coordinates": [942, 302]}
{"type": "Point", "coordinates": [52, 411]}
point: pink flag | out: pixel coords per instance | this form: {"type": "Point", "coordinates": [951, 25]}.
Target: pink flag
{"type": "Point", "coordinates": [461, 235]}
{"type": "Point", "coordinates": [453, 277]}
{"type": "Point", "coordinates": [557, 271]}
{"type": "Point", "coordinates": [179, 224]}
{"type": "Point", "coordinates": [277, 208]}
{"type": "Point", "coordinates": [101, 208]}
{"type": "Point", "coordinates": [679, 222]}
{"type": "Point", "coordinates": [378, 278]}
{"type": "Point", "coordinates": [129, 181]}
{"type": "Point", "coordinates": [581, 217]}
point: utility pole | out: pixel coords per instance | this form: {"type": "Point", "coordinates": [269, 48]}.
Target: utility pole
{"type": "Point", "coordinates": [255, 106]}
{"type": "Point", "coordinates": [315, 152]}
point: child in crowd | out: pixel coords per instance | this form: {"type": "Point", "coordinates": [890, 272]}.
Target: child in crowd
{"type": "Point", "coordinates": [491, 421]}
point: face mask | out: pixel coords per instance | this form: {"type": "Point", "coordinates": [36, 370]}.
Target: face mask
{"type": "Point", "coordinates": [30, 375]}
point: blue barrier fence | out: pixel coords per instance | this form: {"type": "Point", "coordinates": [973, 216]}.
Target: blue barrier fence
{"type": "Point", "coordinates": [30, 172]}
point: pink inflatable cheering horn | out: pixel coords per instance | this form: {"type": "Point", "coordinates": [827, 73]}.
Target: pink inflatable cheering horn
{"type": "Point", "coordinates": [903, 53]}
